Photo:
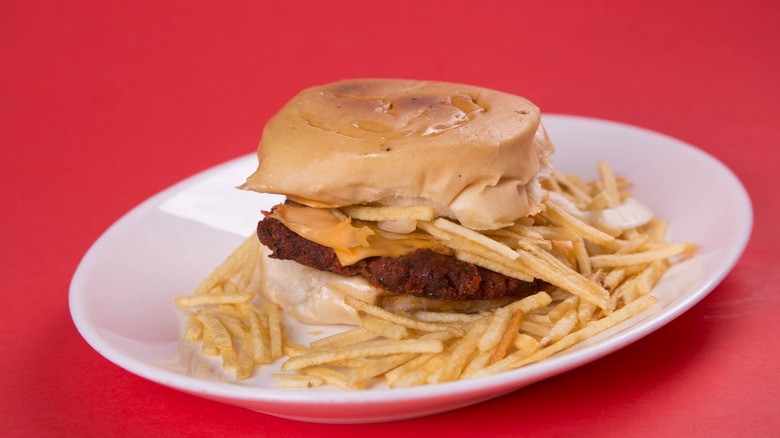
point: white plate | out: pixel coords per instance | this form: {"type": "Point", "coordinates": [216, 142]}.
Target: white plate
{"type": "Point", "coordinates": [121, 294]}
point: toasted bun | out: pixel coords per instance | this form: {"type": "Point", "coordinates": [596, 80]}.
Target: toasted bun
{"type": "Point", "coordinates": [475, 154]}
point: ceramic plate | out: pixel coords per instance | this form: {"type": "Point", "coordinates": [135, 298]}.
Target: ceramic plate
{"type": "Point", "coordinates": [121, 296]}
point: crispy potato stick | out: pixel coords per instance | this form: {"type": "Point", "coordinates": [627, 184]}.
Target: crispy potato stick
{"type": "Point", "coordinates": [530, 303]}
{"type": "Point", "coordinates": [479, 361]}
{"type": "Point", "coordinates": [208, 346]}
{"type": "Point", "coordinates": [237, 311]}
{"type": "Point", "coordinates": [428, 372]}
{"type": "Point", "coordinates": [274, 330]}
{"type": "Point", "coordinates": [610, 184]}
{"type": "Point", "coordinates": [552, 233]}
{"type": "Point", "coordinates": [383, 327]}
{"type": "Point", "coordinates": [551, 270]}
{"type": "Point", "coordinates": [232, 324]}
{"type": "Point", "coordinates": [420, 369]}
{"type": "Point", "coordinates": [329, 376]}
{"type": "Point", "coordinates": [194, 329]}
{"type": "Point", "coordinates": [382, 365]}
{"type": "Point", "coordinates": [585, 311]}
{"type": "Point", "coordinates": [414, 360]}
{"type": "Point", "coordinates": [551, 184]}
{"type": "Point", "coordinates": [351, 336]}
{"type": "Point", "coordinates": [510, 334]}
{"type": "Point", "coordinates": [515, 361]}
{"type": "Point", "coordinates": [580, 193]}
{"type": "Point", "coordinates": [562, 308]}
{"type": "Point", "coordinates": [246, 359]}
{"type": "Point", "coordinates": [447, 317]}
{"type": "Point", "coordinates": [397, 376]}
{"type": "Point", "coordinates": [643, 282]}
{"type": "Point", "coordinates": [650, 276]}
{"type": "Point", "coordinates": [231, 266]}
{"type": "Point", "coordinates": [599, 202]}
{"type": "Point", "coordinates": [212, 298]}
{"type": "Point", "coordinates": [617, 260]}
{"type": "Point", "coordinates": [658, 230]}
{"type": "Point", "coordinates": [296, 381]}
{"type": "Point", "coordinates": [634, 244]}
{"type": "Point", "coordinates": [583, 260]}
{"type": "Point", "coordinates": [525, 343]}
{"type": "Point", "coordinates": [566, 220]}
{"type": "Point", "coordinates": [473, 236]}
{"type": "Point", "coordinates": [562, 327]}
{"type": "Point", "coordinates": [248, 270]}
{"type": "Point", "coordinates": [222, 340]}
{"type": "Point", "coordinates": [476, 253]}
{"type": "Point", "coordinates": [607, 228]}
{"type": "Point", "coordinates": [399, 319]}
{"type": "Point", "coordinates": [506, 267]}
{"type": "Point", "coordinates": [260, 339]}
{"type": "Point", "coordinates": [293, 349]}
{"type": "Point", "coordinates": [614, 278]}
{"type": "Point", "coordinates": [376, 348]}
{"type": "Point", "coordinates": [534, 328]}
{"type": "Point", "coordinates": [462, 350]}
{"type": "Point", "coordinates": [378, 214]}
{"type": "Point", "coordinates": [496, 329]}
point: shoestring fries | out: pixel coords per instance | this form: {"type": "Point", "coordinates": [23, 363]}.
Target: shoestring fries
{"type": "Point", "coordinates": [599, 275]}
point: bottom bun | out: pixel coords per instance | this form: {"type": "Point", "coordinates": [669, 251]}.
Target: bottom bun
{"type": "Point", "coordinates": [309, 295]}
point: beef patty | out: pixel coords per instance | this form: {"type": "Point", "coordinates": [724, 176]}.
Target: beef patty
{"type": "Point", "coordinates": [423, 272]}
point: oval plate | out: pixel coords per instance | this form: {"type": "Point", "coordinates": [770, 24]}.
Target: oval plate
{"type": "Point", "coordinates": [121, 295]}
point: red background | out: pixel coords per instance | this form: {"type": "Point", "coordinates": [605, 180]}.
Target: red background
{"type": "Point", "coordinates": [105, 103]}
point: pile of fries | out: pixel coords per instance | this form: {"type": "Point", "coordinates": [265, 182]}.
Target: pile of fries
{"type": "Point", "coordinates": [599, 275]}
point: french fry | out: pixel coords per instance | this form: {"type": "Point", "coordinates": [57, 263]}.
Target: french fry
{"type": "Point", "coordinates": [510, 334]}
{"type": "Point", "coordinates": [351, 336]}
{"type": "Point", "coordinates": [384, 328]}
{"type": "Point", "coordinates": [214, 298]}
{"type": "Point", "coordinates": [246, 359]}
{"type": "Point", "coordinates": [194, 330]}
{"type": "Point", "coordinates": [230, 266]}
{"type": "Point", "coordinates": [377, 348]}
{"type": "Point", "coordinates": [525, 343]}
{"type": "Point", "coordinates": [554, 272]}
{"type": "Point", "coordinates": [399, 319]}
{"type": "Point", "coordinates": [495, 331]}
{"type": "Point", "coordinates": [579, 192]}
{"type": "Point", "coordinates": [562, 327]}
{"type": "Point", "coordinates": [458, 230]}
{"type": "Point", "coordinates": [566, 220]}
{"type": "Point", "coordinates": [260, 339]}
{"type": "Point", "coordinates": [296, 381]}
{"type": "Point", "coordinates": [330, 376]}
{"type": "Point", "coordinates": [610, 184]}
{"type": "Point", "coordinates": [463, 349]}
{"type": "Point", "coordinates": [447, 317]}
{"type": "Point", "coordinates": [222, 340]}
{"type": "Point", "coordinates": [618, 260]}
{"type": "Point", "coordinates": [274, 330]}
{"type": "Point", "coordinates": [594, 328]}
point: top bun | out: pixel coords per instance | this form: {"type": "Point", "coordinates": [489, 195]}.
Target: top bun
{"type": "Point", "coordinates": [475, 154]}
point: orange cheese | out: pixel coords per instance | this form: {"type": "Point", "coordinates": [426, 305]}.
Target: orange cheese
{"type": "Point", "coordinates": [349, 241]}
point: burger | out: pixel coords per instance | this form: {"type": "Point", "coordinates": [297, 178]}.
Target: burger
{"type": "Point", "coordinates": [473, 156]}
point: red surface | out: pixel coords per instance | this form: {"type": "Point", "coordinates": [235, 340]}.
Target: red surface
{"type": "Point", "coordinates": [103, 104]}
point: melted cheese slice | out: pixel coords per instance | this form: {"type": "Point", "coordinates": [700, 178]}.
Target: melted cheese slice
{"type": "Point", "coordinates": [349, 241]}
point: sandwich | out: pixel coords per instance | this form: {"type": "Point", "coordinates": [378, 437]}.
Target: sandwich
{"type": "Point", "coordinates": [367, 167]}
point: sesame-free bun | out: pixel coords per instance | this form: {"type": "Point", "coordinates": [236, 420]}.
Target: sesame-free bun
{"type": "Point", "coordinates": [475, 154]}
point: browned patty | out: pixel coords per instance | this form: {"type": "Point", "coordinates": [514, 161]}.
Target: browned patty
{"type": "Point", "coordinates": [422, 273]}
